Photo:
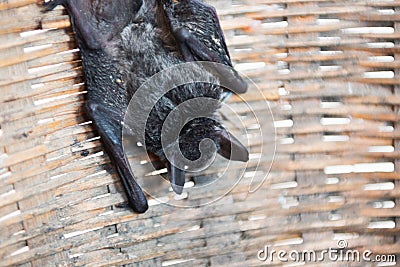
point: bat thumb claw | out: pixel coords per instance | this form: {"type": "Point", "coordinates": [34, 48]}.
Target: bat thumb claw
{"type": "Point", "coordinates": [177, 178]}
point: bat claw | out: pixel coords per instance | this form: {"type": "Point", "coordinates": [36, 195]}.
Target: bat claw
{"type": "Point", "coordinates": [50, 5]}
{"type": "Point", "coordinates": [177, 188]}
{"type": "Point", "coordinates": [177, 178]}
{"type": "Point", "coordinates": [122, 205]}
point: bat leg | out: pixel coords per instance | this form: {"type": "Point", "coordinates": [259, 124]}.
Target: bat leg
{"type": "Point", "coordinates": [108, 124]}
{"type": "Point", "coordinates": [80, 21]}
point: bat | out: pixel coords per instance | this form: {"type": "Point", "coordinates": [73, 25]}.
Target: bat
{"type": "Point", "coordinates": [125, 42]}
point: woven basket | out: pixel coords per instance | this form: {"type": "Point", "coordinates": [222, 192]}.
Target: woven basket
{"type": "Point", "coordinates": [330, 72]}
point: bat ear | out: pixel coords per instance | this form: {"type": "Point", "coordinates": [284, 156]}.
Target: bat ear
{"type": "Point", "coordinates": [230, 147]}
{"type": "Point", "coordinates": [176, 178]}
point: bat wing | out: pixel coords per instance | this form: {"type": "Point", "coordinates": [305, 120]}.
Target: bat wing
{"type": "Point", "coordinates": [94, 22]}
{"type": "Point", "coordinates": [108, 124]}
{"type": "Point", "coordinates": [199, 36]}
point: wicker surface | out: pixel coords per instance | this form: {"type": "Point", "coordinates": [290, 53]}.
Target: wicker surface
{"type": "Point", "coordinates": [330, 71]}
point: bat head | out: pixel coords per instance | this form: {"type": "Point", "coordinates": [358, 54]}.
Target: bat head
{"type": "Point", "coordinates": [206, 128]}
{"type": "Point", "coordinates": [190, 139]}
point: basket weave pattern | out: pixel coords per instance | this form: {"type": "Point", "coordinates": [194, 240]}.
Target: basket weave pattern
{"type": "Point", "coordinates": [330, 71]}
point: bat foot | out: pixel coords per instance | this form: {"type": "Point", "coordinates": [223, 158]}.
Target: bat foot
{"type": "Point", "coordinates": [50, 5]}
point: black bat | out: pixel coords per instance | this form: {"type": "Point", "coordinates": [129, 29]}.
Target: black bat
{"type": "Point", "coordinates": [125, 42]}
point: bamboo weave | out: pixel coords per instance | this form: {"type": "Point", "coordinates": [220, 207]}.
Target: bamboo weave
{"type": "Point", "coordinates": [330, 71]}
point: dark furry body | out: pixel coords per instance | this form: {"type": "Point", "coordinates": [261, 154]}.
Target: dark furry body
{"type": "Point", "coordinates": [146, 39]}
